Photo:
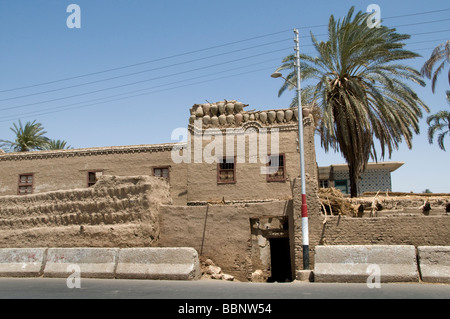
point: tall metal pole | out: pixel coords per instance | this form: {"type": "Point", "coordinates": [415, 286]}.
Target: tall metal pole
{"type": "Point", "coordinates": [305, 231]}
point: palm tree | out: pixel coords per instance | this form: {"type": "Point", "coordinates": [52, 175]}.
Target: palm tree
{"type": "Point", "coordinates": [360, 90]}
{"type": "Point", "coordinates": [441, 52]}
{"type": "Point", "coordinates": [439, 122]}
{"type": "Point", "coordinates": [56, 145]}
{"type": "Point", "coordinates": [28, 138]}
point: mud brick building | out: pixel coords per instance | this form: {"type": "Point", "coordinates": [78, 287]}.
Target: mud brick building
{"type": "Point", "coordinates": [231, 190]}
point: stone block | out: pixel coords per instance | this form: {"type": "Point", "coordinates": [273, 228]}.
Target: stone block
{"type": "Point", "coordinates": [434, 263]}
{"type": "Point", "coordinates": [358, 263]}
{"type": "Point", "coordinates": [158, 264]}
{"type": "Point", "coordinates": [92, 262]}
{"type": "Point", "coordinates": [22, 262]}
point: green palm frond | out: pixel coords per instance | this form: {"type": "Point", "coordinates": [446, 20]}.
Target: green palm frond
{"type": "Point", "coordinates": [57, 145]}
{"type": "Point", "coordinates": [440, 53]}
{"type": "Point", "coordinates": [28, 138]}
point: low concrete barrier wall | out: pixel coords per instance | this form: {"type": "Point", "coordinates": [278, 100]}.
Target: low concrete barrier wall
{"type": "Point", "coordinates": [121, 263]}
{"type": "Point", "coordinates": [158, 263]}
{"type": "Point", "coordinates": [92, 262]}
{"type": "Point", "coordinates": [358, 263]}
{"type": "Point", "coordinates": [22, 262]}
{"type": "Point", "coordinates": [434, 263]}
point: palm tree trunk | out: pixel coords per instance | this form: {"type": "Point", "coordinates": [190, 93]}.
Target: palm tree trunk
{"type": "Point", "coordinates": [354, 176]}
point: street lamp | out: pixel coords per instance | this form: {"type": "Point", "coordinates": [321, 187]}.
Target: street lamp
{"type": "Point", "coordinates": [305, 231]}
{"type": "Point", "coordinates": [277, 75]}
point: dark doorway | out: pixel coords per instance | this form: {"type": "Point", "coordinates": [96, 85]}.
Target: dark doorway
{"type": "Point", "coordinates": [280, 259]}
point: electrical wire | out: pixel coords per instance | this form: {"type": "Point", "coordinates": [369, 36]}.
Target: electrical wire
{"type": "Point", "coordinates": [141, 81]}
{"type": "Point", "coordinates": [144, 71]}
{"type": "Point", "coordinates": [108, 98]}
{"type": "Point", "coordinates": [147, 93]}
{"type": "Point", "coordinates": [162, 85]}
{"type": "Point", "coordinates": [199, 50]}
{"type": "Point", "coordinates": [180, 63]}
{"type": "Point", "coordinates": [146, 62]}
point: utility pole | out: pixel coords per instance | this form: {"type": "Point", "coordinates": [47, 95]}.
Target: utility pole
{"type": "Point", "coordinates": [305, 230]}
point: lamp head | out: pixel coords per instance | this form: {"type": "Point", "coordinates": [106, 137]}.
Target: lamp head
{"type": "Point", "coordinates": [276, 75]}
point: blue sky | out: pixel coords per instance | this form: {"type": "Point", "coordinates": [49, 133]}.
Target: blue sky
{"type": "Point", "coordinates": [169, 55]}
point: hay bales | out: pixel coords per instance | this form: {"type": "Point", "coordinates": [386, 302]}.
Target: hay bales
{"type": "Point", "coordinates": [335, 203]}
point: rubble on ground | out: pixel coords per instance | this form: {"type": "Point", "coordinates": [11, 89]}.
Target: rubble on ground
{"type": "Point", "coordinates": [211, 271]}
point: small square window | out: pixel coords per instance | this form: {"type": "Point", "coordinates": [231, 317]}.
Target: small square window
{"type": "Point", "coordinates": [323, 183]}
{"type": "Point", "coordinates": [161, 172]}
{"type": "Point", "coordinates": [341, 185]}
{"type": "Point", "coordinates": [93, 177]}
{"type": "Point", "coordinates": [25, 186]}
{"type": "Point", "coordinates": [276, 168]}
{"type": "Point", "coordinates": [226, 171]}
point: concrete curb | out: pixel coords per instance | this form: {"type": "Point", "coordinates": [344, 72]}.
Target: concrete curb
{"type": "Point", "coordinates": [359, 264]}
{"type": "Point", "coordinates": [22, 262]}
{"type": "Point", "coordinates": [158, 263]}
{"type": "Point", "coordinates": [90, 262]}
{"type": "Point", "coordinates": [129, 263]}
{"type": "Point", "coordinates": [434, 263]}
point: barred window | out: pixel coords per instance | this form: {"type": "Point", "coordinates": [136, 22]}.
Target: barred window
{"type": "Point", "coordinates": [276, 168]}
{"type": "Point", "coordinates": [226, 171]}
{"type": "Point", "coordinates": [161, 172]}
{"type": "Point", "coordinates": [93, 177]}
{"type": "Point", "coordinates": [25, 184]}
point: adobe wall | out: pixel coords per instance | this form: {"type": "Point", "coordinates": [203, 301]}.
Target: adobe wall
{"type": "Point", "coordinates": [116, 212]}
{"type": "Point", "coordinates": [276, 129]}
{"type": "Point", "coordinates": [407, 229]}
{"type": "Point", "coordinates": [68, 169]}
{"type": "Point", "coordinates": [223, 233]}
{"type": "Point", "coordinates": [190, 181]}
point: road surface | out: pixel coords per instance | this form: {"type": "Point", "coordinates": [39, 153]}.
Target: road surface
{"type": "Point", "coordinates": [59, 288]}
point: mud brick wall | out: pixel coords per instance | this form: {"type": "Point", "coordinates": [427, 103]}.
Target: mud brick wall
{"type": "Point", "coordinates": [220, 232]}
{"type": "Point", "coordinates": [116, 212]}
{"type": "Point", "coordinates": [432, 230]}
{"type": "Point", "coordinates": [407, 230]}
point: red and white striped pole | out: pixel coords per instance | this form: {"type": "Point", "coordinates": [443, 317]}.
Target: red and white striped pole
{"type": "Point", "coordinates": [305, 231]}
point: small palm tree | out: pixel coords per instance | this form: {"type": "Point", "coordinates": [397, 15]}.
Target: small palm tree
{"type": "Point", "coordinates": [361, 91]}
{"type": "Point", "coordinates": [56, 145]}
{"type": "Point", "coordinates": [440, 53]}
{"type": "Point", "coordinates": [28, 138]}
{"type": "Point", "coordinates": [439, 122]}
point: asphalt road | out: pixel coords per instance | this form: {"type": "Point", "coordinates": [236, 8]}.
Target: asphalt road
{"type": "Point", "coordinates": [47, 288]}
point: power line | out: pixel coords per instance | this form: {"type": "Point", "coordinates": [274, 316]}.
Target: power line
{"type": "Point", "coordinates": [155, 87]}
{"type": "Point", "coordinates": [199, 50]}
{"type": "Point", "coordinates": [420, 23]}
{"type": "Point", "coordinates": [146, 62]}
{"type": "Point", "coordinates": [137, 82]}
{"type": "Point", "coordinates": [416, 14]}
{"type": "Point", "coordinates": [114, 99]}
{"type": "Point", "coordinates": [173, 65]}
{"type": "Point", "coordinates": [141, 81]}
{"type": "Point", "coordinates": [235, 42]}
{"type": "Point", "coordinates": [143, 71]}
{"type": "Point", "coordinates": [147, 93]}
{"type": "Point", "coordinates": [152, 79]}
